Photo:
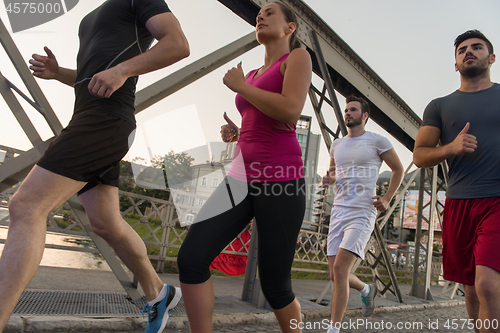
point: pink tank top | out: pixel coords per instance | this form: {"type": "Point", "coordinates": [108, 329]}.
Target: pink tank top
{"type": "Point", "coordinates": [268, 149]}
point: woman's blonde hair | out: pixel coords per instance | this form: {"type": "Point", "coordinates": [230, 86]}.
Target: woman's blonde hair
{"type": "Point", "coordinates": [290, 17]}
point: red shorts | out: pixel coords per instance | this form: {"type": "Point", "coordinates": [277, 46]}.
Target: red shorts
{"type": "Point", "coordinates": [471, 236]}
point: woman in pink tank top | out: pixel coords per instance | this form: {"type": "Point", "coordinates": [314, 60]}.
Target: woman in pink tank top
{"type": "Point", "coordinates": [266, 179]}
{"type": "Point", "coordinates": [267, 148]}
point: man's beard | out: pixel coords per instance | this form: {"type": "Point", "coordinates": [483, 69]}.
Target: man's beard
{"type": "Point", "coordinates": [474, 71]}
{"type": "Point", "coordinates": [354, 122]}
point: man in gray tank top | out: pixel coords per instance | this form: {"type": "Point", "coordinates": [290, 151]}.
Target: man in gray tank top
{"type": "Point", "coordinates": [467, 123]}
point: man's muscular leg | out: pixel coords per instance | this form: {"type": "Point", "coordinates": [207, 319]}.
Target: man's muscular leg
{"type": "Point", "coordinates": [340, 269]}
{"type": "Point", "coordinates": [38, 195]}
{"type": "Point", "coordinates": [487, 286]}
{"type": "Point", "coordinates": [102, 207]}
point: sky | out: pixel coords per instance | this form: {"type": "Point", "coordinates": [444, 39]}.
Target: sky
{"type": "Point", "coordinates": [409, 44]}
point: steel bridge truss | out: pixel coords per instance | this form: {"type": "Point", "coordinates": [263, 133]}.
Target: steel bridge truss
{"type": "Point", "coordinates": [344, 72]}
{"type": "Point", "coordinates": [334, 62]}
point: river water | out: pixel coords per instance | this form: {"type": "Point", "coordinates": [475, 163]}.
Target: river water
{"type": "Point", "coordinates": [64, 258]}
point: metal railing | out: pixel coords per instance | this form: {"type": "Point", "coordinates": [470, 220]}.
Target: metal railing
{"type": "Point", "coordinates": [156, 222]}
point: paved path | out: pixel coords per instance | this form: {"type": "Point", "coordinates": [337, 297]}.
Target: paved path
{"type": "Point", "coordinates": [421, 321]}
{"type": "Point", "coordinates": [427, 320]}
{"type": "Point", "coordinates": [233, 315]}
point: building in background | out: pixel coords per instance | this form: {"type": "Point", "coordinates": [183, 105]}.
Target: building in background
{"type": "Point", "coordinates": [190, 196]}
{"type": "Point", "coordinates": [309, 144]}
{"type": "Point", "coordinates": [227, 155]}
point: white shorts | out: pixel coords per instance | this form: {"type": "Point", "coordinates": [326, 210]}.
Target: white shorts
{"type": "Point", "coordinates": [350, 229]}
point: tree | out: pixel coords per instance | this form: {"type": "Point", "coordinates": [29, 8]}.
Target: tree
{"type": "Point", "coordinates": [173, 168]}
{"type": "Point", "coordinates": [176, 167]}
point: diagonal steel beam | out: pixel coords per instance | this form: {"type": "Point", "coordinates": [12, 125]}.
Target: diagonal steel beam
{"type": "Point", "coordinates": [382, 259]}
{"type": "Point", "coordinates": [19, 63]}
{"type": "Point", "coordinates": [14, 170]}
{"type": "Point", "coordinates": [192, 72]}
{"type": "Point", "coordinates": [387, 265]}
{"type": "Point", "coordinates": [349, 73]}
{"type": "Point", "coordinates": [18, 111]}
{"type": "Point", "coordinates": [421, 283]}
{"type": "Point", "coordinates": [328, 81]}
{"type": "Point", "coordinates": [10, 152]}
{"type": "Point", "coordinates": [319, 116]}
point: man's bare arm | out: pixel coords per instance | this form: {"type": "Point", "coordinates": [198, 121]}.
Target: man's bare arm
{"type": "Point", "coordinates": [329, 179]}
{"type": "Point", "coordinates": [426, 154]}
{"type": "Point", "coordinates": [392, 160]}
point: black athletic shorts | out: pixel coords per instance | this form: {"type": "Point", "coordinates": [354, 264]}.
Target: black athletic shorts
{"type": "Point", "coordinates": [90, 149]}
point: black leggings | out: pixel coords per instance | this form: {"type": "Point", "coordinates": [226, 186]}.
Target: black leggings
{"type": "Point", "coordinates": [278, 208]}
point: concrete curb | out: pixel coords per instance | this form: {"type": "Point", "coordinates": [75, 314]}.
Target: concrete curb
{"type": "Point", "coordinates": [21, 324]}
{"type": "Point", "coordinates": [314, 314]}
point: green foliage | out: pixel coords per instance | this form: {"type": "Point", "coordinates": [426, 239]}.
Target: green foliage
{"type": "Point", "coordinates": [436, 251]}
{"type": "Point", "coordinates": [67, 217]}
{"type": "Point", "coordinates": [173, 168]}
{"type": "Point", "coordinates": [309, 275]}
{"type": "Point", "coordinates": [216, 272]}
{"type": "Point", "coordinates": [171, 267]}
{"type": "Point", "coordinates": [154, 222]}
{"type": "Point", "coordinates": [177, 167]}
{"type": "Point", "coordinates": [143, 231]}
{"type": "Point", "coordinates": [63, 224]}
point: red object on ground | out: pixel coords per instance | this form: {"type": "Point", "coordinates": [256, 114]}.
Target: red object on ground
{"type": "Point", "coordinates": [233, 264]}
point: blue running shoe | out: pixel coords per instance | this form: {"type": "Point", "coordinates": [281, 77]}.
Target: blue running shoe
{"type": "Point", "coordinates": [158, 314]}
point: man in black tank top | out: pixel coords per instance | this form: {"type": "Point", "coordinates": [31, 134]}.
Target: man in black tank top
{"type": "Point", "coordinates": [85, 156]}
